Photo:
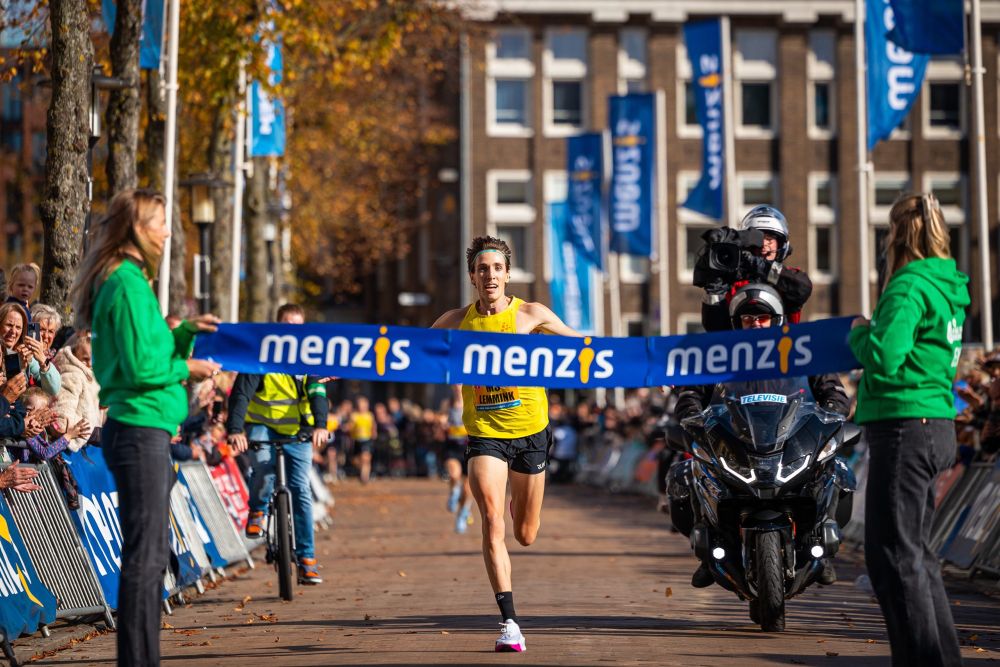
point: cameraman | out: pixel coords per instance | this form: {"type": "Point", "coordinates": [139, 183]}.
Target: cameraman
{"type": "Point", "coordinates": [754, 253]}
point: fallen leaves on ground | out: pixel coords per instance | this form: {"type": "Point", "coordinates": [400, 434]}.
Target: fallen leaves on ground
{"type": "Point", "coordinates": [401, 573]}
{"type": "Point", "coordinates": [669, 591]}
{"type": "Point", "coordinates": [832, 654]}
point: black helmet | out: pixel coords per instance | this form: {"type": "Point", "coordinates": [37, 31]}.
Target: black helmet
{"type": "Point", "coordinates": [769, 219]}
{"type": "Point", "coordinates": [756, 299]}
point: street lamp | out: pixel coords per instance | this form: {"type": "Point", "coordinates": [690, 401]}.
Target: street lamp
{"type": "Point", "coordinates": [201, 188]}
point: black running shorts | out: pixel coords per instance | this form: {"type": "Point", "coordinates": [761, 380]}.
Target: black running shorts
{"type": "Point", "coordinates": [528, 455]}
{"type": "Point", "coordinates": [455, 449]}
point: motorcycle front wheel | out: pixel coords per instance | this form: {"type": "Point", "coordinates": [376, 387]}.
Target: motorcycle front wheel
{"type": "Point", "coordinates": [770, 582]}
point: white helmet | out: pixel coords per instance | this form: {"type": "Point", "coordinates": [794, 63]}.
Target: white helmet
{"type": "Point", "coordinates": [756, 299]}
{"type": "Point", "coordinates": [768, 219]}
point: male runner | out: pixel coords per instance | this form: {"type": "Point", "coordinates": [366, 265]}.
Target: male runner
{"type": "Point", "coordinates": [459, 494]}
{"type": "Point", "coordinates": [508, 439]}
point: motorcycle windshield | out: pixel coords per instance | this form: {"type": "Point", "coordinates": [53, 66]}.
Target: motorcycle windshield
{"type": "Point", "coordinates": [763, 413]}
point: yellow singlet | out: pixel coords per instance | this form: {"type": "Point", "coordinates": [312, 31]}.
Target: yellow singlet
{"type": "Point", "coordinates": [362, 425]}
{"type": "Point", "coordinates": [501, 412]}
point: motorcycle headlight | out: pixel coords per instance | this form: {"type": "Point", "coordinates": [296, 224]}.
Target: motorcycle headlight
{"type": "Point", "coordinates": [738, 475]}
{"type": "Point", "coordinates": [784, 473]}
{"type": "Point", "coordinates": [829, 449]}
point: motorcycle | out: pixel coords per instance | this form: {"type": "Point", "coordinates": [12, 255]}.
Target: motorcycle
{"type": "Point", "coordinates": [766, 494]}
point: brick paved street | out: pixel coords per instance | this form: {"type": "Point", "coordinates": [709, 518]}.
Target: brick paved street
{"type": "Point", "coordinates": [605, 583]}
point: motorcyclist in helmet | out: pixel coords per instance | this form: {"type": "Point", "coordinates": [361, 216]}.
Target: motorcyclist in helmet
{"type": "Point", "coordinates": [753, 306]}
{"type": "Point", "coordinates": [757, 264]}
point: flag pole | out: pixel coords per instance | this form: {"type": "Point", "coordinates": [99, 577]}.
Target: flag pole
{"type": "Point", "coordinates": [170, 147]}
{"type": "Point", "coordinates": [862, 147]}
{"type": "Point", "coordinates": [239, 178]}
{"type": "Point", "coordinates": [660, 229]}
{"type": "Point", "coordinates": [728, 129]}
{"type": "Point", "coordinates": [986, 294]}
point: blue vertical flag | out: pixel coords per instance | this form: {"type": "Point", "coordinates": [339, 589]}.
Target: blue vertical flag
{"type": "Point", "coordinates": [894, 75]}
{"type": "Point", "coordinates": [151, 39]}
{"type": "Point", "coordinates": [570, 286]}
{"type": "Point", "coordinates": [632, 119]}
{"type": "Point", "coordinates": [703, 40]}
{"type": "Point", "coordinates": [268, 113]}
{"type": "Point", "coordinates": [928, 26]}
{"type": "Point", "coordinates": [585, 167]}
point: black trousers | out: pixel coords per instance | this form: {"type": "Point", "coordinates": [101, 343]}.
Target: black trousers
{"type": "Point", "coordinates": [906, 457]}
{"type": "Point", "coordinates": [139, 459]}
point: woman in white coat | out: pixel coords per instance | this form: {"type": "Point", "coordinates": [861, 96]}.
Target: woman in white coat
{"type": "Point", "coordinates": [78, 398]}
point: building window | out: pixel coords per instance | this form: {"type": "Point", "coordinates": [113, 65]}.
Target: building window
{"type": "Point", "coordinates": [823, 259]}
{"type": "Point", "coordinates": [888, 188]}
{"type": "Point", "coordinates": [687, 115]}
{"type": "Point", "coordinates": [944, 99]}
{"type": "Point", "coordinates": [634, 324]}
{"type": "Point", "coordinates": [755, 189]}
{"type": "Point", "coordinates": [944, 105]}
{"type": "Point", "coordinates": [511, 217]}
{"type": "Point", "coordinates": [567, 103]}
{"type": "Point", "coordinates": [633, 269]}
{"type": "Point", "coordinates": [517, 237]}
{"type": "Point", "coordinates": [509, 71]}
{"type": "Point", "coordinates": [689, 323]}
{"type": "Point", "coordinates": [821, 71]}
{"type": "Point", "coordinates": [565, 69]}
{"type": "Point", "coordinates": [632, 61]}
{"type": "Point", "coordinates": [755, 68]}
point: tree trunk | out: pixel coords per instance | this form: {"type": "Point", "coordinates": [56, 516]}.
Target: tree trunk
{"type": "Point", "coordinates": [260, 306]}
{"type": "Point", "coordinates": [64, 203]}
{"type": "Point", "coordinates": [156, 115]}
{"type": "Point", "coordinates": [221, 165]}
{"type": "Point", "coordinates": [123, 105]}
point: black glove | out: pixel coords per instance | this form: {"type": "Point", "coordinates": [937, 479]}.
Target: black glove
{"type": "Point", "coordinates": [754, 268]}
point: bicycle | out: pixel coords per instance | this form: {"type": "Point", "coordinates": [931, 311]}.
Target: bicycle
{"type": "Point", "coordinates": [279, 529]}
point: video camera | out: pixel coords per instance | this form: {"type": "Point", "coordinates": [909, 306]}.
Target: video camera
{"type": "Point", "coordinates": [722, 255]}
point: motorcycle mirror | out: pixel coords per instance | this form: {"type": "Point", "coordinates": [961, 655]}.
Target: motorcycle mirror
{"type": "Point", "coordinates": [852, 434]}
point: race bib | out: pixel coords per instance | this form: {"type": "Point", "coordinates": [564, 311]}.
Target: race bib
{"type": "Point", "coordinates": [496, 398]}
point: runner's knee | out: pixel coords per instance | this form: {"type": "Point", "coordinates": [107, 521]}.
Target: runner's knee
{"type": "Point", "coordinates": [525, 534]}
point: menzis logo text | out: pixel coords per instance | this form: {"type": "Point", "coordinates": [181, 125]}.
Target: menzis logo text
{"type": "Point", "coordinates": [338, 351]}
{"type": "Point", "coordinates": [761, 355]}
{"type": "Point", "coordinates": [542, 362]}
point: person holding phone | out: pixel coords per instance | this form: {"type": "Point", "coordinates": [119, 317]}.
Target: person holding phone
{"type": "Point", "coordinates": [44, 323]}
{"type": "Point", "coordinates": [24, 354]}
{"type": "Point", "coordinates": [140, 365]}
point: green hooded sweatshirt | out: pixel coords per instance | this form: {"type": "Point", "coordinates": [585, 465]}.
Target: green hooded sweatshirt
{"type": "Point", "coordinates": [138, 361]}
{"type": "Point", "coordinates": [911, 349]}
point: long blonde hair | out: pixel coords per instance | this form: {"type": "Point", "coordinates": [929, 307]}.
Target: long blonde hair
{"type": "Point", "coordinates": [108, 241]}
{"type": "Point", "coordinates": [917, 230]}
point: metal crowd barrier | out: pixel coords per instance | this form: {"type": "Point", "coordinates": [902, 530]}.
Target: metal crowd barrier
{"type": "Point", "coordinates": [55, 548]}
{"type": "Point", "coordinates": [206, 498]}
{"type": "Point", "coordinates": [953, 506]}
{"type": "Point", "coordinates": [186, 522]}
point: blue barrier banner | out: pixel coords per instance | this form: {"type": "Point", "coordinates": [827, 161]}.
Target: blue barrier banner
{"type": "Point", "coordinates": [24, 602]}
{"type": "Point", "coordinates": [97, 519]}
{"type": "Point", "coordinates": [151, 38]}
{"type": "Point", "coordinates": [895, 75]}
{"type": "Point", "coordinates": [203, 533]}
{"type": "Point", "coordinates": [632, 120]}
{"type": "Point", "coordinates": [585, 167]}
{"type": "Point", "coordinates": [267, 113]}
{"type": "Point", "coordinates": [977, 520]}
{"type": "Point", "coordinates": [438, 356]}
{"type": "Point", "coordinates": [185, 567]}
{"type": "Point", "coordinates": [929, 26]}
{"type": "Point", "coordinates": [570, 286]}
{"type": "Point", "coordinates": [703, 40]}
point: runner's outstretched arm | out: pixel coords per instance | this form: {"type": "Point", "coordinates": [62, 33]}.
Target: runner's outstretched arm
{"type": "Point", "coordinates": [545, 321]}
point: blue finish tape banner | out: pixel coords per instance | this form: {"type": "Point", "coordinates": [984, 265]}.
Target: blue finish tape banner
{"type": "Point", "coordinates": [97, 519]}
{"type": "Point", "coordinates": [703, 40]}
{"type": "Point", "coordinates": [895, 75]}
{"type": "Point", "coordinates": [632, 120]}
{"type": "Point", "coordinates": [929, 26]}
{"type": "Point", "coordinates": [439, 356]}
{"type": "Point", "coordinates": [267, 113]}
{"type": "Point", "coordinates": [585, 167]}
{"type": "Point", "coordinates": [24, 602]}
{"type": "Point", "coordinates": [151, 38]}
{"type": "Point", "coordinates": [570, 286]}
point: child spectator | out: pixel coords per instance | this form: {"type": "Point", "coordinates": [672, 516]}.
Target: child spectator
{"type": "Point", "coordinates": [24, 279]}
{"type": "Point", "coordinates": [78, 398]}
{"type": "Point", "coordinates": [48, 442]}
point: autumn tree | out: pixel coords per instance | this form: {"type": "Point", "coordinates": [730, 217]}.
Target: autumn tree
{"type": "Point", "coordinates": [124, 104]}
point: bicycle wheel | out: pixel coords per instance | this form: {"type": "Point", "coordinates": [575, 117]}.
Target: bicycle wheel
{"type": "Point", "coordinates": [284, 562]}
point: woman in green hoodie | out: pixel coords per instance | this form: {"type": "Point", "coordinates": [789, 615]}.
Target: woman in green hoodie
{"type": "Point", "coordinates": [910, 351]}
{"type": "Point", "coordinates": [140, 365]}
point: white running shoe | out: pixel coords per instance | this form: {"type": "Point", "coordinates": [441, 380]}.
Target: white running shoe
{"type": "Point", "coordinates": [511, 638]}
{"type": "Point", "coordinates": [462, 520]}
{"type": "Point", "coordinates": [453, 497]}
